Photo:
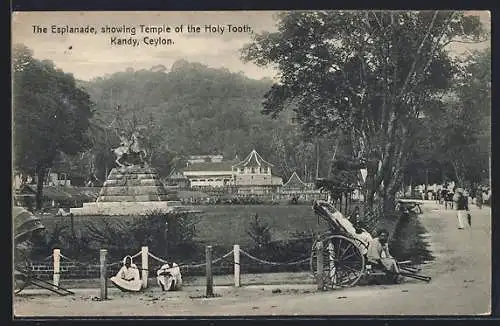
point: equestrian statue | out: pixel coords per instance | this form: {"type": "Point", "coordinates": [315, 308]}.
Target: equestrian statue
{"type": "Point", "coordinates": [131, 150]}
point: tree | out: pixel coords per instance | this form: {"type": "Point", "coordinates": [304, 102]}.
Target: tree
{"type": "Point", "coordinates": [51, 115]}
{"type": "Point", "coordinates": [259, 232]}
{"type": "Point", "coordinates": [464, 140]}
{"type": "Point", "coordinates": [368, 75]}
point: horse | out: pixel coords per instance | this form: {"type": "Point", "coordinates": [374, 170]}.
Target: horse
{"type": "Point", "coordinates": [120, 152]}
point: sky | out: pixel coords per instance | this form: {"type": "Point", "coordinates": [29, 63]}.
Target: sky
{"type": "Point", "coordinates": [87, 56]}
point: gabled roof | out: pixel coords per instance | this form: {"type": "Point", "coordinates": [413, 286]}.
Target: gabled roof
{"type": "Point", "coordinates": [175, 174]}
{"type": "Point", "coordinates": [253, 160]}
{"type": "Point", "coordinates": [294, 182]}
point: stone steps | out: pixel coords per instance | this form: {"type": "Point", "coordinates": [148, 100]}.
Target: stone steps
{"type": "Point", "coordinates": [132, 182]}
{"type": "Point", "coordinates": [132, 198]}
{"type": "Point", "coordinates": [133, 191]}
{"type": "Point", "coordinates": [130, 191]}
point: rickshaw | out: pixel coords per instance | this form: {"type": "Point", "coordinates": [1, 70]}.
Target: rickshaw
{"type": "Point", "coordinates": [25, 226]}
{"type": "Point", "coordinates": [343, 253]}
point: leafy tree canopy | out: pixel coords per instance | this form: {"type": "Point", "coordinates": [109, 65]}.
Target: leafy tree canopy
{"type": "Point", "coordinates": [51, 114]}
{"type": "Point", "coordinates": [366, 74]}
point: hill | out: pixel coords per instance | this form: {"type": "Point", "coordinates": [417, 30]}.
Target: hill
{"type": "Point", "coordinates": [194, 109]}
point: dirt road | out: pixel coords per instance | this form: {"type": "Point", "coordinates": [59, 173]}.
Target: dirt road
{"type": "Point", "coordinates": [461, 285]}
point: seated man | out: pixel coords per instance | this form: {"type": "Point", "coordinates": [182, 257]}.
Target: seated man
{"type": "Point", "coordinates": [128, 279]}
{"type": "Point", "coordinates": [378, 254]}
{"type": "Point", "coordinates": [169, 278]}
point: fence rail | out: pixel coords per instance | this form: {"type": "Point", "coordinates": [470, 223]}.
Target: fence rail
{"type": "Point", "coordinates": [67, 268]}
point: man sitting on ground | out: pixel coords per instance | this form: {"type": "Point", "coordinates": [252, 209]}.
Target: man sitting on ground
{"type": "Point", "coordinates": [379, 255]}
{"type": "Point", "coordinates": [128, 279]}
{"type": "Point", "coordinates": [169, 278]}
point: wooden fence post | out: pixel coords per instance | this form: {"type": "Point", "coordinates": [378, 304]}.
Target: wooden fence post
{"type": "Point", "coordinates": [236, 252]}
{"type": "Point", "coordinates": [210, 280]}
{"type": "Point", "coordinates": [56, 254]}
{"type": "Point", "coordinates": [104, 288]}
{"type": "Point", "coordinates": [319, 265]}
{"type": "Point", "coordinates": [144, 264]}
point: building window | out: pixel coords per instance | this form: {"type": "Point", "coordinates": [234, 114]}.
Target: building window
{"type": "Point", "coordinates": [242, 170]}
{"type": "Point", "coordinates": [253, 170]}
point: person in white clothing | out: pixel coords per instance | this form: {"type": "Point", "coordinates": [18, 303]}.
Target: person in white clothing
{"type": "Point", "coordinates": [379, 255]}
{"type": "Point", "coordinates": [169, 278]}
{"type": "Point", "coordinates": [128, 279]}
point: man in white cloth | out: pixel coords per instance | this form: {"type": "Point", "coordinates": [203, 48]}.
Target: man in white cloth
{"type": "Point", "coordinates": [128, 279]}
{"type": "Point", "coordinates": [169, 278]}
{"type": "Point", "coordinates": [379, 255]}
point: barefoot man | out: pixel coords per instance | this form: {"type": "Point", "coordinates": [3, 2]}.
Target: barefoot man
{"type": "Point", "coordinates": [379, 255]}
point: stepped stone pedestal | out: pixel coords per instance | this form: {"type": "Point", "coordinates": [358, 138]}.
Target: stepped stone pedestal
{"type": "Point", "coordinates": [131, 190]}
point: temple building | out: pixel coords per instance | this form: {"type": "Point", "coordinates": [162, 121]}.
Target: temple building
{"type": "Point", "coordinates": [253, 176]}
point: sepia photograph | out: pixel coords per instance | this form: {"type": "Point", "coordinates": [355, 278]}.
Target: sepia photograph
{"type": "Point", "coordinates": [251, 163]}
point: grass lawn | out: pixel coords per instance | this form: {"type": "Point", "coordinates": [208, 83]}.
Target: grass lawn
{"type": "Point", "coordinates": [226, 225]}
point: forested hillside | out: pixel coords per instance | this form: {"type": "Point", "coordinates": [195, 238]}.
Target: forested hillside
{"type": "Point", "coordinates": [193, 109]}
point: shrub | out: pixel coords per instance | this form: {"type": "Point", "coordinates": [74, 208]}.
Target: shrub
{"type": "Point", "coordinates": [259, 232]}
{"type": "Point", "coordinates": [61, 236]}
{"type": "Point", "coordinates": [165, 234]}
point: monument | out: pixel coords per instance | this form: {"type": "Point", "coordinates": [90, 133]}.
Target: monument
{"type": "Point", "coordinates": [132, 188]}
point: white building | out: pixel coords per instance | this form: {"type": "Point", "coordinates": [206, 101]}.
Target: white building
{"type": "Point", "coordinates": [253, 175]}
{"type": "Point", "coordinates": [209, 173]}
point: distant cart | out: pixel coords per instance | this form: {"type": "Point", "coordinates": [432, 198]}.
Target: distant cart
{"type": "Point", "coordinates": [407, 205]}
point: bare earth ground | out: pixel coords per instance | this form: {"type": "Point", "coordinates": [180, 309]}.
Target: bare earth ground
{"type": "Point", "coordinates": [461, 285]}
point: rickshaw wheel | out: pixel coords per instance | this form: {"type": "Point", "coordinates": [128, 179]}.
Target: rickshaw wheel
{"type": "Point", "coordinates": [343, 262]}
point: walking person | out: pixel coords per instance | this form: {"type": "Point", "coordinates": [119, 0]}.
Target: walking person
{"type": "Point", "coordinates": [449, 200]}
{"type": "Point", "coordinates": [443, 194]}
{"type": "Point", "coordinates": [479, 198]}
{"type": "Point", "coordinates": [462, 208]}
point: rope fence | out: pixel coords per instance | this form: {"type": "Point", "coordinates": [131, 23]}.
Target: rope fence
{"type": "Point", "coordinates": [262, 261]}
{"type": "Point", "coordinates": [150, 262]}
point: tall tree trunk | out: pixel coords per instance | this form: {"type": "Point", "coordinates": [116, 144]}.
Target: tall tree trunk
{"type": "Point", "coordinates": [388, 202]}
{"type": "Point", "coordinates": [371, 168]}
{"type": "Point", "coordinates": [457, 167]}
{"type": "Point", "coordinates": [317, 159]}
{"type": "Point", "coordinates": [40, 173]}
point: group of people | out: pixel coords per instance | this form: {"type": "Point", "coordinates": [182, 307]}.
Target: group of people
{"type": "Point", "coordinates": [128, 278]}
